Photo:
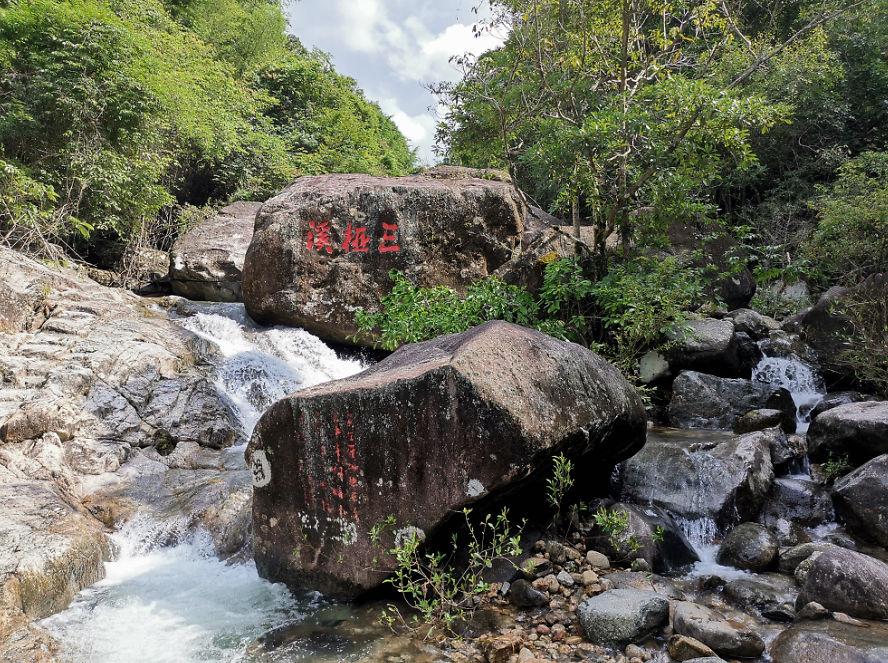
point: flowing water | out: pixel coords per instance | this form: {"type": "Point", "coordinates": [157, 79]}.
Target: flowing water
{"type": "Point", "coordinates": [797, 376]}
{"type": "Point", "coordinates": [180, 604]}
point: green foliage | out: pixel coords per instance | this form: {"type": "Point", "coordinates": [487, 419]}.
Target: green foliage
{"type": "Point", "coordinates": [836, 466]}
{"type": "Point", "coordinates": [851, 238]}
{"type": "Point", "coordinates": [867, 311]}
{"type": "Point", "coordinates": [118, 113]}
{"type": "Point", "coordinates": [560, 482]}
{"type": "Point", "coordinates": [641, 303]}
{"type": "Point", "coordinates": [412, 314]}
{"type": "Point", "coordinates": [444, 595]}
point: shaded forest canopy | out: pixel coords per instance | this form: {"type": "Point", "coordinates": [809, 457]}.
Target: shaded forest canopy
{"type": "Point", "coordinates": [118, 115]}
{"type": "Point", "coordinates": [770, 118]}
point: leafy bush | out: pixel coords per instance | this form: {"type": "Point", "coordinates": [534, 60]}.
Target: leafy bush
{"type": "Point", "coordinates": [430, 582]}
{"type": "Point", "coordinates": [851, 239]}
{"type": "Point", "coordinates": [867, 311]}
{"type": "Point", "coordinates": [412, 314]}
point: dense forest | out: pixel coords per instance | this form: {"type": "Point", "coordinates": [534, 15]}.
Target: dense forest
{"type": "Point", "coordinates": [119, 118]}
{"type": "Point", "coordinates": [767, 118]}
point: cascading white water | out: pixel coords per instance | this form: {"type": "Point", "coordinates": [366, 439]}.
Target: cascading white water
{"type": "Point", "coordinates": [261, 366]}
{"type": "Point", "coordinates": [796, 376]}
{"type": "Point", "coordinates": [167, 598]}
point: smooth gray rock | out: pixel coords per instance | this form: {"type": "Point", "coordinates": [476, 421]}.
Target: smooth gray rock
{"type": "Point", "coordinates": [706, 345]}
{"type": "Point", "coordinates": [861, 500]}
{"type": "Point", "coordinates": [759, 420]}
{"type": "Point", "coordinates": [801, 501]}
{"type": "Point", "coordinates": [622, 616]}
{"type": "Point", "coordinates": [828, 641]}
{"type": "Point", "coordinates": [207, 262]}
{"type": "Point", "coordinates": [836, 398]}
{"type": "Point", "coordinates": [725, 637]}
{"type": "Point", "coordinates": [725, 480]}
{"type": "Point", "coordinates": [846, 581]}
{"type": "Point", "coordinates": [857, 429]}
{"type": "Point", "coordinates": [700, 400]}
{"type": "Point", "coordinates": [788, 533]}
{"type": "Point", "coordinates": [750, 547]}
{"type": "Point", "coordinates": [789, 559]}
{"type": "Point", "coordinates": [770, 595]}
{"type": "Point", "coordinates": [751, 322]}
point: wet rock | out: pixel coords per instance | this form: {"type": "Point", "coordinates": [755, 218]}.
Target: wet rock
{"type": "Point", "coordinates": [847, 581]}
{"type": "Point", "coordinates": [207, 262]}
{"type": "Point", "coordinates": [683, 648]}
{"type": "Point", "coordinates": [788, 533]}
{"type": "Point", "coordinates": [706, 401]}
{"type": "Point", "coordinates": [726, 637]}
{"type": "Point", "coordinates": [523, 595]}
{"type": "Point", "coordinates": [755, 324]}
{"type": "Point", "coordinates": [802, 501]}
{"type": "Point", "coordinates": [857, 429]}
{"type": "Point", "coordinates": [706, 345]}
{"type": "Point", "coordinates": [759, 420]}
{"type": "Point", "coordinates": [536, 567]}
{"type": "Point", "coordinates": [50, 544]}
{"type": "Point", "coordinates": [622, 616]}
{"type": "Point", "coordinates": [657, 538]}
{"type": "Point", "coordinates": [769, 595]}
{"type": "Point", "coordinates": [325, 245]}
{"type": "Point", "coordinates": [826, 641]}
{"type": "Point", "coordinates": [750, 547]}
{"type": "Point", "coordinates": [789, 559]}
{"type": "Point", "coordinates": [861, 500]}
{"type": "Point", "coordinates": [723, 481]}
{"type": "Point", "coordinates": [804, 567]}
{"type": "Point", "coordinates": [836, 398]}
{"type": "Point", "coordinates": [461, 417]}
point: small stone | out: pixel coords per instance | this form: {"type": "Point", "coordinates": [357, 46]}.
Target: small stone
{"type": "Point", "coordinates": [523, 595]}
{"type": "Point", "coordinates": [536, 567]}
{"type": "Point", "coordinates": [843, 618]}
{"type": "Point", "coordinates": [634, 651]}
{"type": "Point", "coordinates": [556, 552]}
{"type": "Point", "coordinates": [810, 611]}
{"type": "Point", "coordinates": [589, 578]}
{"type": "Point", "coordinates": [684, 648]}
{"type": "Point", "coordinates": [596, 560]}
{"type": "Point", "coordinates": [573, 554]}
{"type": "Point", "coordinates": [542, 629]}
{"type": "Point", "coordinates": [525, 655]}
{"type": "Point", "coordinates": [552, 583]}
{"type": "Point", "coordinates": [565, 579]}
{"type": "Point", "coordinates": [641, 564]}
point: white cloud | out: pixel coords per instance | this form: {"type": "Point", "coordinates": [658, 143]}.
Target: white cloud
{"type": "Point", "coordinates": [418, 129]}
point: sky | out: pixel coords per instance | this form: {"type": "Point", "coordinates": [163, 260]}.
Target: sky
{"type": "Point", "coordinates": [391, 47]}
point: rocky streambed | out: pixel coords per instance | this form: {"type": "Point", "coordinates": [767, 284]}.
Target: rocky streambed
{"type": "Point", "coordinates": [126, 510]}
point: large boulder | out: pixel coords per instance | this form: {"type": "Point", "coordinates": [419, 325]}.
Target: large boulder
{"type": "Point", "coordinates": [723, 481]}
{"type": "Point", "coordinates": [799, 500]}
{"type": "Point", "coordinates": [847, 581]}
{"type": "Point", "coordinates": [828, 641]}
{"type": "Point", "coordinates": [623, 616]}
{"type": "Point", "coordinates": [324, 247]}
{"type": "Point", "coordinates": [858, 429]}
{"type": "Point", "coordinates": [755, 324]}
{"type": "Point", "coordinates": [434, 427]}
{"type": "Point", "coordinates": [700, 400]}
{"type": "Point", "coordinates": [207, 262]}
{"type": "Point", "coordinates": [861, 500]}
{"type": "Point", "coordinates": [726, 637]}
{"type": "Point", "coordinates": [750, 547]}
{"type": "Point", "coordinates": [708, 346]}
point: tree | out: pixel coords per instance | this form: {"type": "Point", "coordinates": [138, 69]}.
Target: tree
{"type": "Point", "coordinates": [623, 106]}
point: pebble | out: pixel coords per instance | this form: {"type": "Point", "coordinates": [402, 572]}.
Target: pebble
{"type": "Point", "coordinates": [597, 560]}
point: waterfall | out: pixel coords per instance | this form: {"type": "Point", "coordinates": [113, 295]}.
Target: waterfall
{"type": "Point", "coordinates": [796, 376]}
{"type": "Point", "coordinates": [258, 365]}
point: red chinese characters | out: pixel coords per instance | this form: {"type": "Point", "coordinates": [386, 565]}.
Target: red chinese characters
{"type": "Point", "coordinates": [388, 237]}
{"type": "Point", "coordinates": [319, 236]}
{"type": "Point", "coordinates": [356, 240]}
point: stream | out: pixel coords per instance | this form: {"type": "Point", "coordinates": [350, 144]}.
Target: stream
{"type": "Point", "coordinates": [181, 604]}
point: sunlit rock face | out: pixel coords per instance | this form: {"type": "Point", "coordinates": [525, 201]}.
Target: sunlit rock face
{"type": "Point", "coordinates": [325, 245]}
{"type": "Point", "coordinates": [435, 427]}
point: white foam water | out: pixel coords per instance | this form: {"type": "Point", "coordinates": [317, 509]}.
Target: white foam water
{"type": "Point", "coordinates": [173, 604]}
{"type": "Point", "coordinates": [703, 534]}
{"type": "Point", "coordinates": [167, 598]}
{"type": "Point", "coordinates": [262, 365]}
{"type": "Point", "coordinates": [799, 378]}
